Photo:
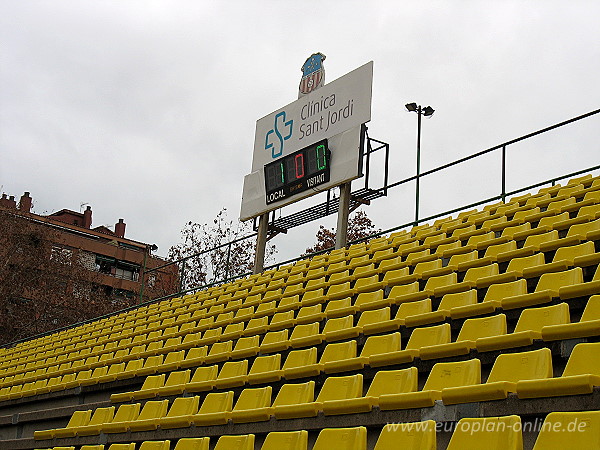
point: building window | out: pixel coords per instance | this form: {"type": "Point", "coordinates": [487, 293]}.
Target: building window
{"type": "Point", "coordinates": [116, 268]}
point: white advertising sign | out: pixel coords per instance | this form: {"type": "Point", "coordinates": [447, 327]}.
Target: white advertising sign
{"type": "Point", "coordinates": [334, 112]}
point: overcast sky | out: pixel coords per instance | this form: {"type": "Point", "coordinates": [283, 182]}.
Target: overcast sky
{"type": "Point", "coordinates": [146, 110]}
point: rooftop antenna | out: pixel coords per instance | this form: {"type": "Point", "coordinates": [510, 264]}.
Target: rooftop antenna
{"type": "Point", "coordinates": [81, 205]}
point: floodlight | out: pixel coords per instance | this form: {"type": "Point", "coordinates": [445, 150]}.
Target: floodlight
{"type": "Point", "coordinates": [428, 111]}
{"type": "Point", "coordinates": [411, 106]}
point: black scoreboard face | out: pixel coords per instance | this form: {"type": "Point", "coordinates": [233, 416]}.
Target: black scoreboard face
{"type": "Point", "coordinates": [297, 172]}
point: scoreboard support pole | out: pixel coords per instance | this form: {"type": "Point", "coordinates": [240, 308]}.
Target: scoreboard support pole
{"type": "Point", "coordinates": [261, 243]}
{"type": "Point", "coordinates": [341, 235]}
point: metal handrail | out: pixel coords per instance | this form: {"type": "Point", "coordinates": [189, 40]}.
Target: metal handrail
{"type": "Point", "coordinates": [502, 196]}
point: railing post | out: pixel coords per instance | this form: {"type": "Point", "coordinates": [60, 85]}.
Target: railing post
{"type": "Point", "coordinates": [181, 275]}
{"type": "Point", "coordinates": [227, 263]}
{"type": "Point", "coordinates": [504, 173]}
{"type": "Point", "coordinates": [143, 275]}
{"type": "Point", "coordinates": [417, 188]}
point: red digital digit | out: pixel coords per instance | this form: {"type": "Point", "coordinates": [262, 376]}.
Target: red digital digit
{"type": "Point", "coordinates": [299, 161]}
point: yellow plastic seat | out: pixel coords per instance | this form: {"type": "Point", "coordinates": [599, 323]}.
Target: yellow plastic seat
{"type": "Point", "coordinates": [149, 416]}
{"type": "Point", "coordinates": [78, 419]}
{"type": "Point", "coordinates": [342, 439]}
{"type": "Point", "coordinates": [340, 356]}
{"type": "Point", "coordinates": [286, 440]}
{"type": "Point", "coordinates": [310, 314]}
{"type": "Point", "coordinates": [447, 304]}
{"type": "Point", "coordinates": [582, 255]}
{"type": "Point", "coordinates": [246, 347]}
{"type": "Point", "coordinates": [498, 292]}
{"type": "Point", "coordinates": [412, 309]}
{"type": "Point", "coordinates": [341, 290]}
{"type": "Point", "coordinates": [582, 289]}
{"type": "Point", "coordinates": [412, 435]}
{"type": "Point", "coordinates": [232, 374]}
{"type": "Point", "coordinates": [547, 288]}
{"type": "Point", "coordinates": [339, 308]}
{"type": "Point", "coordinates": [366, 283]}
{"type": "Point", "coordinates": [399, 277]}
{"type": "Point", "coordinates": [194, 357]}
{"type": "Point", "coordinates": [371, 300]}
{"type": "Point", "coordinates": [199, 443]}
{"type": "Point", "coordinates": [155, 445]}
{"type": "Point", "coordinates": [289, 302]}
{"type": "Point", "coordinates": [180, 413]}
{"type": "Point", "coordinates": [219, 351]}
{"type": "Point", "coordinates": [253, 405]}
{"type": "Point", "coordinates": [256, 325]}
{"type": "Point", "coordinates": [135, 367]}
{"type": "Point", "coordinates": [420, 337]}
{"type": "Point", "coordinates": [265, 369]}
{"type": "Point", "coordinates": [508, 369]}
{"type": "Point", "coordinates": [98, 419]}
{"type": "Point", "coordinates": [390, 261]}
{"type": "Point", "coordinates": [282, 320]}
{"type": "Point", "coordinates": [312, 295]}
{"type": "Point", "coordinates": [376, 345]}
{"type": "Point", "coordinates": [376, 321]}
{"type": "Point", "coordinates": [233, 331]}
{"type": "Point", "coordinates": [125, 414]}
{"type": "Point", "coordinates": [301, 363]}
{"type": "Point", "coordinates": [407, 293]}
{"type": "Point", "coordinates": [241, 442]}
{"type": "Point", "coordinates": [442, 376]}
{"type": "Point", "coordinates": [204, 379]}
{"type": "Point", "coordinates": [384, 383]}
{"type": "Point", "coordinates": [306, 335]}
{"type": "Point", "coordinates": [588, 325]}
{"type": "Point", "coordinates": [122, 446]}
{"type": "Point", "coordinates": [471, 330]}
{"type": "Point", "coordinates": [175, 383]}
{"type": "Point", "coordinates": [580, 375]}
{"type": "Point", "coordinates": [334, 388]}
{"type": "Point", "coordinates": [557, 431]}
{"type": "Point", "coordinates": [445, 284]}
{"type": "Point", "coordinates": [275, 341]}
{"type": "Point", "coordinates": [366, 271]}
{"type": "Point", "coordinates": [266, 309]}
{"type": "Point", "coordinates": [340, 328]}
{"type": "Point", "coordinates": [498, 433]}
{"type": "Point", "coordinates": [291, 395]}
{"type": "Point", "coordinates": [529, 327]}
{"type": "Point", "coordinates": [215, 409]}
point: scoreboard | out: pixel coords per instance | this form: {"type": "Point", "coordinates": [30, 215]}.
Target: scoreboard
{"type": "Point", "coordinates": [297, 172]}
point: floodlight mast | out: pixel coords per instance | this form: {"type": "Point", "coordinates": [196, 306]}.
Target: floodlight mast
{"type": "Point", "coordinates": [427, 112]}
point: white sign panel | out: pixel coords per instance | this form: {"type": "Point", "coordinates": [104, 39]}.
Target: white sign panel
{"type": "Point", "coordinates": [332, 109]}
{"type": "Point", "coordinates": [334, 112]}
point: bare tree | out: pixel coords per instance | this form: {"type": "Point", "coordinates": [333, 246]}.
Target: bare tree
{"type": "Point", "coordinates": [218, 251]}
{"type": "Point", "coordinates": [44, 286]}
{"type": "Point", "coordinates": [359, 226]}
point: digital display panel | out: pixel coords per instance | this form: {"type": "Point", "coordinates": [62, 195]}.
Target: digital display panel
{"type": "Point", "coordinates": [297, 172]}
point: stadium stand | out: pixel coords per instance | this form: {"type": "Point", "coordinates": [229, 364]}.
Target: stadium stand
{"type": "Point", "coordinates": [476, 331]}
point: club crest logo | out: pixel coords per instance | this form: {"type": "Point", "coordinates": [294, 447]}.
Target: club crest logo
{"type": "Point", "coordinates": [313, 74]}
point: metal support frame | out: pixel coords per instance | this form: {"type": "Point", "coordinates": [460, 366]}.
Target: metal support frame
{"type": "Point", "coordinates": [341, 235]}
{"type": "Point", "coordinates": [261, 243]}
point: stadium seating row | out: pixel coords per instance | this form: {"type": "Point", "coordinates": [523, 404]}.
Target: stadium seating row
{"type": "Point", "coordinates": [560, 431]}
{"type": "Point", "coordinates": [528, 374]}
{"type": "Point", "coordinates": [427, 269]}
